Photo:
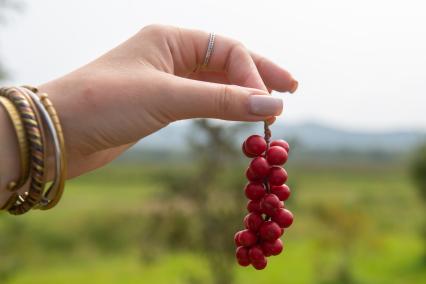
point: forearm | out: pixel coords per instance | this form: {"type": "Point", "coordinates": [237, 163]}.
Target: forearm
{"type": "Point", "coordinates": [9, 155]}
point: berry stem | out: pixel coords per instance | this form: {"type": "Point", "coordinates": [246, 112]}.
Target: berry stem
{"type": "Point", "coordinates": [267, 138]}
{"type": "Point", "coordinates": [267, 132]}
{"type": "Point", "coordinates": [266, 183]}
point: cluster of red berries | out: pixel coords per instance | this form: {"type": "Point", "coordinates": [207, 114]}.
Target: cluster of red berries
{"type": "Point", "coordinates": [266, 191]}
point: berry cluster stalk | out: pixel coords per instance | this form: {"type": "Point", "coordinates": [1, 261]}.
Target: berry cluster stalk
{"type": "Point", "coordinates": [267, 137]}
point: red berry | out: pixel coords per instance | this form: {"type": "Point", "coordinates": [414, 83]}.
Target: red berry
{"type": "Point", "coordinates": [236, 240]}
{"type": "Point", "coordinates": [276, 155]}
{"type": "Point", "coordinates": [270, 203]}
{"type": "Point", "coordinates": [245, 152]}
{"type": "Point", "coordinates": [242, 252]}
{"type": "Point", "coordinates": [266, 248]}
{"type": "Point", "coordinates": [282, 144]}
{"type": "Point", "coordinates": [266, 251]}
{"type": "Point", "coordinates": [243, 262]}
{"type": "Point", "coordinates": [247, 238]}
{"type": "Point", "coordinates": [270, 231]}
{"type": "Point", "coordinates": [254, 206]}
{"type": "Point", "coordinates": [260, 264]}
{"type": "Point", "coordinates": [254, 191]}
{"type": "Point", "coordinates": [283, 217]}
{"type": "Point", "coordinates": [260, 167]}
{"type": "Point", "coordinates": [281, 191]}
{"type": "Point", "coordinates": [253, 221]}
{"type": "Point", "coordinates": [253, 177]}
{"type": "Point", "coordinates": [255, 145]}
{"type": "Point", "coordinates": [255, 254]}
{"type": "Point", "coordinates": [277, 176]}
{"type": "Point", "coordinates": [242, 255]}
{"type": "Point", "coordinates": [272, 248]}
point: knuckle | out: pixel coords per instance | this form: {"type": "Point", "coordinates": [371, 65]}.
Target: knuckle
{"type": "Point", "coordinates": [236, 50]}
{"type": "Point", "coordinates": [238, 46]}
{"type": "Point", "coordinates": [260, 61]}
{"type": "Point", "coordinates": [156, 29]}
{"type": "Point", "coordinates": [224, 100]}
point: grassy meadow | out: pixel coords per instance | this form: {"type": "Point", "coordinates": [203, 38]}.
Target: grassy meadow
{"type": "Point", "coordinates": [354, 223]}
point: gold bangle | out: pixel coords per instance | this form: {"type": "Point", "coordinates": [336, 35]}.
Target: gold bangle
{"type": "Point", "coordinates": [36, 139]}
{"type": "Point", "coordinates": [22, 143]}
{"type": "Point", "coordinates": [55, 194]}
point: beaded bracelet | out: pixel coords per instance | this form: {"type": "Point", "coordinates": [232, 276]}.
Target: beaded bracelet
{"type": "Point", "coordinates": [36, 139]}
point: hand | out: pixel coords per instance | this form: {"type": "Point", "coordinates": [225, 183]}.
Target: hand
{"type": "Point", "coordinates": [148, 82]}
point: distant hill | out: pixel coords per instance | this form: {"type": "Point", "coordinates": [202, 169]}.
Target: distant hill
{"type": "Point", "coordinates": [316, 136]}
{"type": "Point", "coordinates": [309, 136]}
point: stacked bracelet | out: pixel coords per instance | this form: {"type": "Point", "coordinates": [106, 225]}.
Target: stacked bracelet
{"type": "Point", "coordinates": [36, 113]}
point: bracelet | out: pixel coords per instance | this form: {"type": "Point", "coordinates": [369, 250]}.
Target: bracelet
{"type": "Point", "coordinates": [31, 114]}
{"type": "Point", "coordinates": [63, 157]}
{"type": "Point", "coordinates": [22, 143]}
{"type": "Point", "coordinates": [48, 112]}
{"type": "Point", "coordinates": [36, 139]}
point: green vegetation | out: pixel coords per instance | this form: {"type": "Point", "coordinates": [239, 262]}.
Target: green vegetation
{"type": "Point", "coordinates": [354, 224]}
{"type": "Point", "coordinates": [419, 175]}
{"type": "Point", "coordinates": [419, 170]}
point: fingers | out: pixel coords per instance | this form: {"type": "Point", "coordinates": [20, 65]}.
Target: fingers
{"type": "Point", "coordinates": [275, 77]}
{"type": "Point", "coordinates": [185, 98]}
{"type": "Point", "coordinates": [237, 65]}
{"type": "Point", "coordinates": [230, 63]}
{"type": "Point", "coordinates": [272, 81]}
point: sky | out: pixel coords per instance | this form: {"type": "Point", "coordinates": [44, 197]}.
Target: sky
{"type": "Point", "coordinates": [361, 64]}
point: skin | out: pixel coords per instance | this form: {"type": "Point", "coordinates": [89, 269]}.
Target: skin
{"type": "Point", "coordinates": [143, 85]}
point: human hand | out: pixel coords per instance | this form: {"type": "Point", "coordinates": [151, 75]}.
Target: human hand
{"type": "Point", "coordinates": [149, 81]}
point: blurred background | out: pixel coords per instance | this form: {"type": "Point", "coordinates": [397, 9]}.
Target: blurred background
{"type": "Point", "coordinates": [167, 210]}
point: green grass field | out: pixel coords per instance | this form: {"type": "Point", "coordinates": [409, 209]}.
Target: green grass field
{"type": "Point", "coordinates": [361, 220]}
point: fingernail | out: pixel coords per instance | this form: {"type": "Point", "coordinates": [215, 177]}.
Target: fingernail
{"type": "Point", "coordinates": [294, 86]}
{"type": "Point", "coordinates": [265, 105]}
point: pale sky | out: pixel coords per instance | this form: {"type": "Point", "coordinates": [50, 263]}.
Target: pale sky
{"type": "Point", "coordinates": [361, 64]}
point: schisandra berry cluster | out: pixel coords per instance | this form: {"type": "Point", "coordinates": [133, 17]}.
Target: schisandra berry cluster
{"type": "Point", "coordinates": [266, 190]}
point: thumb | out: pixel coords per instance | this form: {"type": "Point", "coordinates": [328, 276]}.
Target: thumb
{"type": "Point", "coordinates": [186, 98]}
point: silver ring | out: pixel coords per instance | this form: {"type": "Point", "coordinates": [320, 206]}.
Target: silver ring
{"type": "Point", "coordinates": [209, 50]}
